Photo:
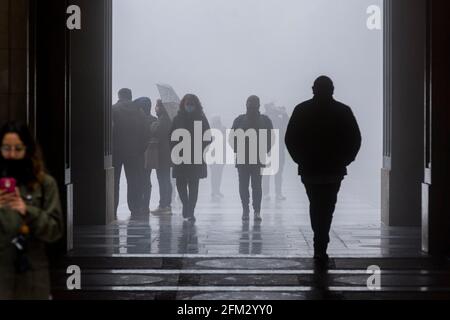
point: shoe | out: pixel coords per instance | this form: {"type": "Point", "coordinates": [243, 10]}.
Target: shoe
{"type": "Point", "coordinates": [192, 219]}
{"type": "Point", "coordinates": [185, 212]}
{"type": "Point", "coordinates": [159, 210]}
{"type": "Point", "coordinates": [320, 253]}
{"type": "Point", "coordinates": [321, 257]}
{"type": "Point", "coordinates": [267, 198]}
{"type": "Point", "coordinates": [220, 194]}
{"type": "Point", "coordinates": [281, 198]}
{"type": "Point", "coordinates": [245, 213]}
{"type": "Point", "coordinates": [257, 217]}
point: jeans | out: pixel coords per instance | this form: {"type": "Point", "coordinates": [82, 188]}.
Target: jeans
{"type": "Point", "coordinates": [147, 188]}
{"type": "Point", "coordinates": [188, 192]}
{"type": "Point", "coordinates": [216, 178]}
{"type": "Point", "coordinates": [253, 174]}
{"type": "Point", "coordinates": [165, 187]}
{"type": "Point", "coordinates": [134, 170]}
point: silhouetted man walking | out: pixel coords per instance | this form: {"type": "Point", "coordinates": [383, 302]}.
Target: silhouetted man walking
{"type": "Point", "coordinates": [129, 143]}
{"type": "Point", "coordinates": [248, 170]}
{"type": "Point", "coordinates": [323, 138]}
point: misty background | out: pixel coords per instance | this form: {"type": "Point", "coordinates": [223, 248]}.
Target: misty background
{"type": "Point", "coordinates": [226, 50]}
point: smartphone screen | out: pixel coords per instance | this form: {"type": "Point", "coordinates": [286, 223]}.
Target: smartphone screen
{"type": "Point", "coordinates": [8, 185]}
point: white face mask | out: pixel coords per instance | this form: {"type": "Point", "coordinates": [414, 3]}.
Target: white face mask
{"type": "Point", "coordinates": [190, 108]}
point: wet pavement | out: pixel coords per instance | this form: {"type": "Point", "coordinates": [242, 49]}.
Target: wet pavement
{"type": "Point", "coordinates": [221, 258]}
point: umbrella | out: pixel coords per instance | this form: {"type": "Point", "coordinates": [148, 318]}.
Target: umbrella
{"type": "Point", "coordinates": [169, 98]}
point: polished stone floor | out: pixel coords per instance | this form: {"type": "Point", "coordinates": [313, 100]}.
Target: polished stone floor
{"type": "Point", "coordinates": [221, 258]}
{"type": "Point", "coordinates": [285, 230]}
{"type": "Point", "coordinates": [256, 278]}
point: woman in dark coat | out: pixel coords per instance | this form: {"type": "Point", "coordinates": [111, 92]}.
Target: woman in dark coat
{"type": "Point", "coordinates": [160, 130]}
{"type": "Point", "coordinates": [30, 216]}
{"type": "Point", "coordinates": [187, 171]}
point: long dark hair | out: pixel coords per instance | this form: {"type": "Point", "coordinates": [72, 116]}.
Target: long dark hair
{"type": "Point", "coordinates": [33, 152]}
{"type": "Point", "coordinates": [195, 101]}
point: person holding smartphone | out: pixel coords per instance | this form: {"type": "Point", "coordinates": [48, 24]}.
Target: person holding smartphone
{"type": "Point", "coordinates": [30, 216]}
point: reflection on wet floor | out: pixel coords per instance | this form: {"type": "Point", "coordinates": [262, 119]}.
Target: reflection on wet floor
{"type": "Point", "coordinates": [222, 258]}
{"type": "Point", "coordinates": [219, 230]}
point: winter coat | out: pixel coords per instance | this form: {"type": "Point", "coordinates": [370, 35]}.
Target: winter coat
{"type": "Point", "coordinates": [244, 122]}
{"type": "Point", "coordinates": [323, 138]}
{"type": "Point", "coordinates": [160, 131]}
{"type": "Point", "coordinates": [151, 152]}
{"type": "Point", "coordinates": [184, 120]}
{"type": "Point", "coordinates": [130, 130]}
{"type": "Point", "coordinates": [45, 220]}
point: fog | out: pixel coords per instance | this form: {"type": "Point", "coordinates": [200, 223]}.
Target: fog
{"type": "Point", "coordinates": [226, 50]}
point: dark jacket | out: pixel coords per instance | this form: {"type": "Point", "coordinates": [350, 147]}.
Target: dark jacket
{"type": "Point", "coordinates": [184, 120]}
{"type": "Point", "coordinates": [243, 122]}
{"type": "Point", "coordinates": [130, 130]}
{"type": "Point", "coordinates": [323, 138]}
{"type": "Point", "coordinates": [45, 220]}
{"type": "Point", "coordinates": [280, 121]}
{"type": "Point", "coordinates": [151, 152]}
{"type": "Point", "coordinates": [159, 152]}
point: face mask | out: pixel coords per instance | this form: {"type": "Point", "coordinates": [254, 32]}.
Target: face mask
{"type": "Point", "coordinates": [21, 170]}
{"type": "Point", "coordinates": [190, 108]}
{"type": "Point", "coordinates": [252, 111]}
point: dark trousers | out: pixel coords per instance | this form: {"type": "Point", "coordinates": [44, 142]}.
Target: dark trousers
{"type": "Point", "coordinates": [134, 169]}
{"type": "Point", "coordinates": [278, 182]}
{"type": "Point", "coordinates": [253, 174]}
{"type": "Point", "coordinates": [323, 199]}
{"type": "Point", "coordinates": [165, 187]}
{"type": "Point", "coordinates": [188, 191]}
{"type": "Point", "coordinates": [146, 189]}
{"type": "Point", "coordinates": [216, 178]}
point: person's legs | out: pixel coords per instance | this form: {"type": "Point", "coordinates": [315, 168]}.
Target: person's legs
{"type": "Point", "coordinates": [215, 186]}
{"type": "Point", "coordinates": [175, 196]}
{"type": "Point", "coordinates": [219, 179]}
{"type": "Point", "coordinates": [266, 186]}
{"type": "Point", "coordinates": [117, 163]}
{"type": "Point", "coordinates": [279, 183]}
{"type": "Point", "coordinates": [146, 189]}
{"type": "Point", "coordinates": [256, 178]}
{"type": "Point", "coordinates": [193, 184]}
{"type": "Point", "coordinates": [244, 181]}
{"type": "Point", "coordinates": [323, 199]}
{"type": "Point", "coordinates": [182, 187]}
{"type": "Point", "coordinates": [134, 168]}
{"type": "Point", "coordinates": [165, 187]}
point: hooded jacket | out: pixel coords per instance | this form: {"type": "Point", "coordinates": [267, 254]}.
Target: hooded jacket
{"type": "Point", "coordinates": [245, 122]}
{"type": "Point", "coordinates": [130, 129]}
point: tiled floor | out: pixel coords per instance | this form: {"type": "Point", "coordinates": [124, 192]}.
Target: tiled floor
{"type": "Point", "coordinates": [222, 258]}
{"type": "Point", "coordinates": [257, 278]}
{"type": "Point", "coordinates": [285, 230]}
